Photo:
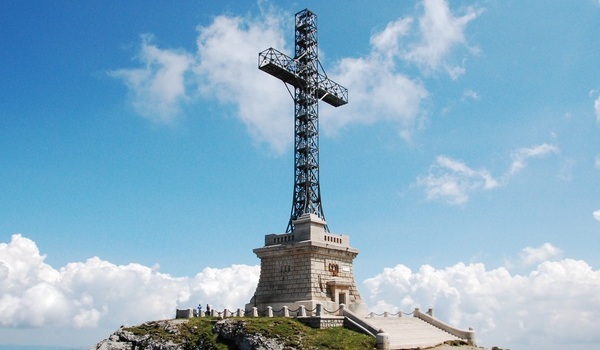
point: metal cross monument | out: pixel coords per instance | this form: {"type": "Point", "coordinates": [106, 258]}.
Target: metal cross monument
{"type": "Point", "coordinates": [305, 73]}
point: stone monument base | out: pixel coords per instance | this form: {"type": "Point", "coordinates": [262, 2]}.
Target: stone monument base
{"type": "Point", "coordinates": [305, 268]}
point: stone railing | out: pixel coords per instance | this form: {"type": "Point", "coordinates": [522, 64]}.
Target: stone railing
{"type": "Point", "coordinates": [388, 314]}
{"type": "Point", "coordinates": [358, 323]}
{"type": "Point", "coordinates": [279, 238]}
{"type": "Point", "coordinates": [318, 317]}
{"type": "Point", "coordinates": [468, 335]}
{"type": "Point", "coordinates": [301, 311]}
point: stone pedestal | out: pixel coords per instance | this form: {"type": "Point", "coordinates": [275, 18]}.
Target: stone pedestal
{"type": "Point", "coordinates": [307, 267]}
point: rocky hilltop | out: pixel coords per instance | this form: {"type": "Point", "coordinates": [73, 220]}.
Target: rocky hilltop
{"type": "Point", "coordinates": [179, 335]}
{"type": "Point", "coordinates": [238, 333]}
{"type": "Point", "coordinates": [206, 334]}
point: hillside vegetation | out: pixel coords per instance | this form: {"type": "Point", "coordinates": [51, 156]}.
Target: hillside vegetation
{"type": "Point", "coordinates": [247, 333]}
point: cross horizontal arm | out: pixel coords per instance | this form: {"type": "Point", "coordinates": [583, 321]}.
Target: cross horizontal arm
{"type": "Point", "coordinates": [285, 68]}
{"type": "Point", "coordinates": [331, 92]}
{"type": "Point", "coordinates": [278, 65]}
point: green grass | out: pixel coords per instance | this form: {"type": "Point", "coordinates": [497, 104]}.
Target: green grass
{"type": "Point", "coordinates": [295, 334]}
{"type": "Point", "coordinates": [338, 339]}
{"type": "Point", "coordinates": [290, 332]}
{"type": "Point", "coordinates": [199, 331]}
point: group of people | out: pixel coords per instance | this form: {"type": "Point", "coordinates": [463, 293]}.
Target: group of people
{"type": "Point", "coordinates": [199, 310]}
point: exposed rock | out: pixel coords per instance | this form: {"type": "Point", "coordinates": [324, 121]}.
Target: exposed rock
{"type": "Point", "coordinates": [233, 330]}
{"type": "Point", "coordinates": [229, 330]}
{"type": "Point", "coordinates": [126, 340]}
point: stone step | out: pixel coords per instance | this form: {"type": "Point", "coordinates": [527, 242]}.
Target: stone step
{"type": "Point", "coordinates": [410, 332]}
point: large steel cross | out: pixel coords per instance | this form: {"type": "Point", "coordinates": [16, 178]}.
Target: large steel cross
{"type": "Point", "coordinates": [305, 73]}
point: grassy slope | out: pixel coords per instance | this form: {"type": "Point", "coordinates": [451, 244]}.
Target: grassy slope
{"type": "Point", "coordinates": [288, 331]}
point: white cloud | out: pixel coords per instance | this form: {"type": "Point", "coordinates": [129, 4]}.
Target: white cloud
{"type": "Point", "coordinates": [377, 91]}
{"type": "Point", "coordinates": [597, 109]}
{"type": "Point", "coordinates": [158, 88]}
{"type": "Point", "coordinates": [470, 94]}
{"type": "Point", "coordinates": [597, 161]}
{"type": "Point", "coordinates": [452, 181]}
{"type": "Point", "coordinates": [225, 68]}
{"type": "Point", "coordinates": [508, 310]}
{"type": "Point", "coordinates": [98, 293]}
{"type": "Point", "coordinates": [520, 156]}
{"type": "Point", "coordinates": [238, 280]}
{"type": "Point", "coordinates": [596, 215]}
{"type": "Point", "coordinates": [227, 54]}
{"type": "Point", "coordinates": [387, 42]}
{"type": "Point", "coordinates": [440, 33]}
{"type": "Point", "coordinates": [546, 251]}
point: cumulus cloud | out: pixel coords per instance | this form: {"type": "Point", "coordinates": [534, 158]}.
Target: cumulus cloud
{"type": "Point", "coordinates": [452, 181]}
{"type": "Point", "coordinates": [227, 54]}
{"type": "Point", "coordinates": [596, 215]}
{"type": "Point", "coordinates": [514, 311]}
{"type": "Point", "coordinates": [378, 91]}
{"type": "Point", "coordinates": [158, 88]}
{"type": "Point", "coordinates": [98, 293]}
{"type": "Point", "coordinates": [509, 310]}
{"type": "Point", "coordinates": [225, 68]}
{"type": "Point", "coordinates": [440, 32]}
{"type": "Point", "coordinates": [532, 255]}
{"type": "Point", "coordinates": [238, 280]}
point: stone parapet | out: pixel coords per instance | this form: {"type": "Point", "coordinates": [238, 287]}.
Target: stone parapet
{"type": "Point", "coordinates": [308, 227]}
{"type": "Point", "coordinates": [468, 335]}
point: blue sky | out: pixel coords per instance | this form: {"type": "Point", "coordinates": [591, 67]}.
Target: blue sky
{"type": "Point", "coordinates": [143, 133]}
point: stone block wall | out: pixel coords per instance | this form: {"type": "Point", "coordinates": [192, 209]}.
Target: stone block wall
{"type": "Point", "coordinates": [306, 267]}
{"type": "Point", "coordinates": [323, 322]}
{"type": "Point", "coordinates": [297, 272]}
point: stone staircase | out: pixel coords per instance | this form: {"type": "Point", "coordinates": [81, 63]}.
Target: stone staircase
{"type": "Point", "coordinates": [410, 332]}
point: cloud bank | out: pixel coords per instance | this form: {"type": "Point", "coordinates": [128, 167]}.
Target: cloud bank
{"type": "Point", "coordinates": [557, 301]}
{"type": "Point", "coordinates": [224, 68]}
{"type": "Point", "coordinates": [97, 293]}
{"type": "Point", "coordinates": [554, 306]}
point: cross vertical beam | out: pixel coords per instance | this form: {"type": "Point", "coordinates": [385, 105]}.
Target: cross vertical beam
{"type": "Point", "coordinates": [310, 86]}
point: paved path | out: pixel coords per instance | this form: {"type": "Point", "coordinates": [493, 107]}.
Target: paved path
{"type": "Point", "coordinates": [410, 332]}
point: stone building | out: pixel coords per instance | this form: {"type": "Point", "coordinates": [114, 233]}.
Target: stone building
{"type": "Point", "coordinates": [308, 266]}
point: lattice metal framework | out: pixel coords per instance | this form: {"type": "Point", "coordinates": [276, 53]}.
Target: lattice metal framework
{"type": "Point", "coordinates": [305, 73]}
